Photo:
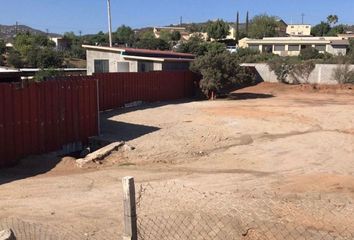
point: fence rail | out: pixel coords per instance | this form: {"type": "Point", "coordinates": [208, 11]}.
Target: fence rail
{"type": "Point", "coordinates": [42, 117]}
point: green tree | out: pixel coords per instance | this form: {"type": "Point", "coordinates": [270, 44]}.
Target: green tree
{"type": "Point", "coordinates": [49, 58]}
{"type": "Point", "coordinates": [321, 29]}
{"type": "Point", "coordinates": [336, 30]}
{"type": "Point", "coordinates": [14, 59]}
{"type": "Point", "coordinates": [263, 26]}
{"type": "Point", "coordinates": [197, 46]}
{"type": "Point", "coordinates": [75, 43]}
{"type": "Point", "coordinates": [247, 23]}
{"type": "Point", "coordinates": [125, 35]}
{"type": "Point", "coordinates": [165, 35]}
{"type": "Point", "coordinates": [36, 51]}
{"type": "Point", "coordinates": [99, 39]}
{"type": "Point", "coordinates": [2, 46]}
{"type": "Point", "coordinates": [48, 74]}
{"type": "Point", "coordinates": [218, 29]}
{"type": "Point", "coordinates": [176, 36]}
{"type": "Point", "coordinates": [332, 19]}
{"type": "Point", "coordinates": [154, 44]}
{"type": "Point", "coordinates": [309, 53]}
{"type": "Point", "coordinates": [219, 72]}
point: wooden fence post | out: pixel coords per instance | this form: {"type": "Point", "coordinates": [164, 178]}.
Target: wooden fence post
{"type": "Point", "coordinates": [130, 219]}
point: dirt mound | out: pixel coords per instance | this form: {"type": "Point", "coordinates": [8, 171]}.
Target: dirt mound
{"type": "Point", "coordinates": [278, 88]}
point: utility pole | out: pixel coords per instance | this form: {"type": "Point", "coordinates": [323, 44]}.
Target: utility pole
{"type": "Point", "coordinates": [247, 23]}
{"type": "Point", "coordinates": [16, 28]}
{"type": "Point", "coordinates": [47, 31]}
{"type": "Point", "coordinates": [109, 22]}
{"type": "Point", "coordinates": [237, 27]}
{"type": "Point", "coordinates": [181, 21]}
{"type": "Point", "coordinates": [302, 17]}
{"type": "Point", "coordinates": [80, 33]}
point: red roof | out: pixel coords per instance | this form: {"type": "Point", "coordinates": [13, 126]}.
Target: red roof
{"type": "Point", "coordinates": [158, 52]}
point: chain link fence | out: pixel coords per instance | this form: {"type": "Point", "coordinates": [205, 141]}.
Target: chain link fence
{"type": "Point", "coordinates": [24, 230]}
{"type": "Point", "coordinates": [173, 211]}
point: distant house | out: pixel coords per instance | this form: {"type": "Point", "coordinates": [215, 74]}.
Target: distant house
{"type": "Point", "coordinates": [281, 28]}
{"type": "Point", "coordinates": [112, 59]}
{"type": "Point", "coordinates": [298, 30]}
{"type": "Point", "coordinates": [61, 43]}
{"type": "Point", "coordinates": [182, 30]}
{"type": "Point", "coordinates": [291, 46]}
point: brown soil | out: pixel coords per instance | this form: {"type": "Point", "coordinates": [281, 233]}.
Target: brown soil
{"type": "Point", "coordinates": [270, 141]}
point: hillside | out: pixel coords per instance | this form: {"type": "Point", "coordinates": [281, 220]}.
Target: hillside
{"type": "Point", "coordinates": [7, 32]}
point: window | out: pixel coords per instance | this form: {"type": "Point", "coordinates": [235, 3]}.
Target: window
{"type": "Point", "coordinates": [294, 48]}
{"type": "Point", "coordinates": [321, 48]}
{"type": "Point", "coordinates": [279, 48]}
{"type": "Point", "coordinates": [101, 66]}
{"type": "Point", "coordinates": [267, 48]}
{"type": "Point", "coordinates": [123, 67]}
{"type": "Point", "coordinates": [145, 66]}
{"type": "Point", "coordinates": [292, 26]}
{"type": "Point", "coordinates": [254, 47]}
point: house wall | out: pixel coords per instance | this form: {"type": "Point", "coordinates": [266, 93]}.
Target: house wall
{"type": "Point", "coordinates": [322, 74]}
{"type": "Point", "coordinates": [91, 56]}
{"type": "Point", "coordinates": [336, 50]}
{"type": "Point", "coordinates": [295, 30]}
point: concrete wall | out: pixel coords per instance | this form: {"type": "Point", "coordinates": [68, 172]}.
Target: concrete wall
{"type": "Point", "coordinates": [322, 74]}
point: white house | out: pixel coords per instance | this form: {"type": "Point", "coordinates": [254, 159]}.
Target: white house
{"type": "Point", "coordinates": [291, 46]}
{"type": "Point", "coordinates": [112, 59]}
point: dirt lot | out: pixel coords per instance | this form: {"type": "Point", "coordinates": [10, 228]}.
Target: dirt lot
{"type": "Point", "coordinates": [266, 142]}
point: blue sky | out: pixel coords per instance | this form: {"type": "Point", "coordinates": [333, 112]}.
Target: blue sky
{"type": "Point", "coordinates": [89, 16]}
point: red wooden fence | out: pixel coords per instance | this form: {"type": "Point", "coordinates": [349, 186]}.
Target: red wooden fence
{"type": "Point", "coordinates": [117, 89]}
{"type": "Point", "coordinates": [42, 117]}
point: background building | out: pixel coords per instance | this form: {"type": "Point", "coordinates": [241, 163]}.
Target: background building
{"type": "Point", "coordinates": [298, 30]}
{"type": "Point", "coordinates": [111, 59]}
{"type": "Point", "coordinates": [291, 46]}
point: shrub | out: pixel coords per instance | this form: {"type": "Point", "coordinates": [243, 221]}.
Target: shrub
{"type": "Point", "coordinates": [343, 74]}
{"type": "Point", "coordinates": [309, 53]}
{"type": "Point", "coordinates": [291, 70]}
{"type": "Point", "coordinates": [14, 59]}
{"type": "Point", "coordinates": [220, 71]}
{"type": "Point", "coordinates": [47, 74]}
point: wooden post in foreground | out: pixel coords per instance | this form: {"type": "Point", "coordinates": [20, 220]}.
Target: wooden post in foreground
{"type": "Point", "coordinates": [130, 220]}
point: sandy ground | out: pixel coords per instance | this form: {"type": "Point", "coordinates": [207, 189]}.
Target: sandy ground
{"type": "Point", "coordinates": [268, 142]}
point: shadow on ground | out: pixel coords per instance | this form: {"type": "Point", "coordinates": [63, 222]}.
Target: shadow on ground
{"type": "Point", "coordinates": [247, 95]}
{"type": "Point", "coordinates": [29, 167]}
{"type": "Point", "coordinates": [110, 130]}
{"type": "Point", "coordinates": [122, 131]}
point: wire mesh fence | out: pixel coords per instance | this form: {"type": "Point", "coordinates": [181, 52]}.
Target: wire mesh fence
{"type": "Point", "coordinates": [174, 211]}
{"type": "Point", "coordinates": [25, 230]}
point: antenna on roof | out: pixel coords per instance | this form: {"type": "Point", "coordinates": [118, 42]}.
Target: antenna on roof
{"type": "Point", "coordinates": [109, 22]}
{"type": "Point", "coordinates": [302, 17]}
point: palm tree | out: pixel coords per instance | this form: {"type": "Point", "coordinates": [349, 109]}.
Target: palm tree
{"type": "Point", "coordinates": [332, 19]}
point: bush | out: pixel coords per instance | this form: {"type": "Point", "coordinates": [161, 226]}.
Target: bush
{"type": "Point", "coordinates": [48, 74]}
{"type": "Point", "coordinates": [291, 70]}
{"type": "Point", "coordinates": [247, 55]}
{"type": "Point", "coordinates": [15, 60]}
{"type": "Point", "coordinates": [310, 53]}
{"type": "Point", "coordinates": [343, 74]}
{"type": "Point", "coordinates": [220, 71]}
